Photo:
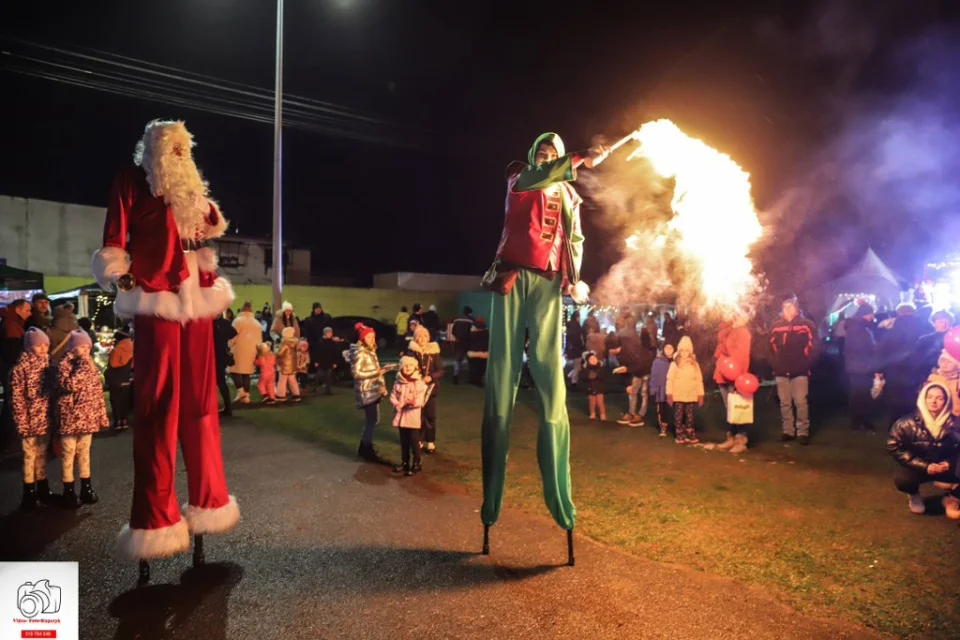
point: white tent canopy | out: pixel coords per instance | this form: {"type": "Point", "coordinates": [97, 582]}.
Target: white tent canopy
{"type": "Point", "coordinates": [870, 278]}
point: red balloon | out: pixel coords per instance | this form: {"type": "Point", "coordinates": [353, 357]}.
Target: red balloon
{"type": "Point", "coordinates": [951, 342]}
{"type": "Point", "coordinates": [747, 384]}
{"type": "Point", "coordinates": [729, 368]}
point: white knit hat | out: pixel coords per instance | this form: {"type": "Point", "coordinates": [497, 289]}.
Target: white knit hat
{"type": "Point", "coordinates": [406, 361]}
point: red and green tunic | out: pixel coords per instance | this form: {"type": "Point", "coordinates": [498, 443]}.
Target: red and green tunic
{"type": "Point", "coordinates": [542, 226]}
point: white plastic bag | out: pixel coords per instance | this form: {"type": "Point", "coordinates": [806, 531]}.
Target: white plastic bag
{"type": "Point", "coordinates": [739, 408]}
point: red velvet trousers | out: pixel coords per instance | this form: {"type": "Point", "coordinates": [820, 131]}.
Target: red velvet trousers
{"type": "Point", "coordinates": [175, 387]}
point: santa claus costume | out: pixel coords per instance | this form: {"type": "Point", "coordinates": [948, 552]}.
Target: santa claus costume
{"type": "Point", "coordinates": [159, 216]}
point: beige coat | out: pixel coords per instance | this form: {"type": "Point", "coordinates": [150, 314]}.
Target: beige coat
{"type": "Point", "coordinates": [244, 346]}
{"type": "Point", "coordinates": [684, 378]}
{"type": "Point", "coordinates": [276, 330]}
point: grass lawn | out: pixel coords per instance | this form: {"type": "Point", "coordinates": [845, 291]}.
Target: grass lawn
{"type": "Point", "coordinates": [821, 525]}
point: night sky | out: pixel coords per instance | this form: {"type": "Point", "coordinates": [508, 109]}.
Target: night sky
{"type": "Point", "coordinates": [471, 84]}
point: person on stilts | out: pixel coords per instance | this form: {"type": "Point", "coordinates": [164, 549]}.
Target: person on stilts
{"type": "Point", "coordinates": [159, 218]}
{"type": "Point", "coordinates": [538, 260]}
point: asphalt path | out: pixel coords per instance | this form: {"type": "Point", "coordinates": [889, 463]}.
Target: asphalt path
{"type": "Point", "coordinates": [329, 547]}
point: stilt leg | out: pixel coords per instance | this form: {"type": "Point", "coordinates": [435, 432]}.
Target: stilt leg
{"type": "Point", "coordinates": [570, 548]}
{"type": "Point", "coordinates": [486, 540]}
{"type": "Point", "coordinates": [198, 557]}
{"type": "Point", "coordinates": [144, 577]}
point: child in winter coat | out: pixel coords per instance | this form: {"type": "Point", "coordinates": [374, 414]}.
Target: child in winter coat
{"type": "Point", "coordinates": [408, 398]}
{"type": "Point", "coordinates": [368, 386]}
{"type": "Point", "coordinates": [303, 362]}
{"type": "Point", "coordinates": [32, 385]}
{"type": "Point", "coordinates": [117, 377]}
{"type": "Point", "coordinates": [658, 385]}
{"type": "Point", "coordinates": [427, 355]}
{"type": "Point", "coordinates": [594, 377]}
{"type": "Point", "coordinates": [266, 362]}
{"type": "Point", "coordinates": [330, 360]}
{"type": "Point", "coordinates": [83, 412]}
{"type": "Point", "coordinates": [684, 390]}
{"type": "Point", "coordinates": [287, 360]}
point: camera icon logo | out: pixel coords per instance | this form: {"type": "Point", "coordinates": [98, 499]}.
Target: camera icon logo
{"type": "Point", "coordinates": [34, 598]}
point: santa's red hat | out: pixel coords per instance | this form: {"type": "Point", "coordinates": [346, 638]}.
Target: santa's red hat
{"type": "Point", "coordinates": [362, 330]}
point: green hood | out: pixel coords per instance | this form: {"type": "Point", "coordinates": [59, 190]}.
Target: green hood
{"type": "Point", "coordinates": [549, 138]}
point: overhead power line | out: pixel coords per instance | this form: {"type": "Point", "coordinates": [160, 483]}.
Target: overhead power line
{"type": "Point", "coordinates": [130, 77]}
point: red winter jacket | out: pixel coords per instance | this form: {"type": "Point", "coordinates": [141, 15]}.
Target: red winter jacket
{"type": "Point", "coordinates": [733, 342]}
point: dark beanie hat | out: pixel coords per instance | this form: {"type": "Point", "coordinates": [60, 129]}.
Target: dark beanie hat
{"type": "Point", "coordinates": [317, 305]}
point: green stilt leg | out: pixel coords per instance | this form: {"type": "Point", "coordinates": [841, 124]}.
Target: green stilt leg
{"type": "Point", "coordinates": [534, 303]}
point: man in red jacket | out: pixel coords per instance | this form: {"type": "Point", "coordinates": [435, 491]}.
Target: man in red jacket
{"type": "Point", "coordinates": [794, 343]}
{"type": "Point", "coordinates": [159, 215]}
{"type": "Point", "coordinates": [537, 261]}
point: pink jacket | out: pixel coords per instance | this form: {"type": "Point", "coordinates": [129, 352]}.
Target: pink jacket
{"type": "Point", "coordinates": [407, 392]}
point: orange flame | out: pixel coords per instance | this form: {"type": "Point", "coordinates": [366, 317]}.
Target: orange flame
{"type": "Point", "coordinates": [715, 221]}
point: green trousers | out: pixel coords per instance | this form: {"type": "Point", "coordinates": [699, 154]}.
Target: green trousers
{"type": "Point", "coordinates": [535, 303]}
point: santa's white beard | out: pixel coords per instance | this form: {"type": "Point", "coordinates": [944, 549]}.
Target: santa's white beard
{"type": "Point", "coordinates": [178, 181]}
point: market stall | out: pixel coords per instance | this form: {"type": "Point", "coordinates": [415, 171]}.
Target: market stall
{"type": "Point", "coordinates": [870, 280]}
{"type": "Point", "coordinates": [90, 301]}
{"type": "Point", "coordinates": [16, 284]}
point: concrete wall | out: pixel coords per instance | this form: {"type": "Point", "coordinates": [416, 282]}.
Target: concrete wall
{"type": "Point", "coordinates": [426, 282]}
{"type": "Point", "coordinates": [381, 304]}
{"type": "Point", "coordinates": [50, 237]}
{"type": "Point", "coordinates": [56, 284]}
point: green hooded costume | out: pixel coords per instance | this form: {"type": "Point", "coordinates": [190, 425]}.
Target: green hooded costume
{"type": "Point", "coordinates": [542, 244]}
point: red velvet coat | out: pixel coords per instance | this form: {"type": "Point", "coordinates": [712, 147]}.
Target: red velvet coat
{"type": "Point", "coordinates": [157, 258]}
{"type": "Point", "coordinates": [140, 237]}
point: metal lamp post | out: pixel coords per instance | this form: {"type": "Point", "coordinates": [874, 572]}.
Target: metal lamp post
{"type": "Point", "coordinates": [277, 144]}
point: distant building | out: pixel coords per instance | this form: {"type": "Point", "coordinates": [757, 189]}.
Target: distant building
{"type": "Point", "coordinates": [59, 239]}
{"type": "Point", "coordinates": [246, 260]}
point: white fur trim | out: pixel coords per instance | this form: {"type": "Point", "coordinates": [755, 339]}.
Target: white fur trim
{"type": "Point", "coordinates": [192, 302]}
{"type": "Point", "coordinates": [207, 260]}
{"type": "Point", "coordinates": [109, 264]}
{"type": "Point", "coordinates": [219, 520]}
{"type": "Point", "coordinates": [218, 229]}
{"type": "Point", "coordinates": [146, 544]}
{"type": "Point", "coordinates": [431, 349]}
